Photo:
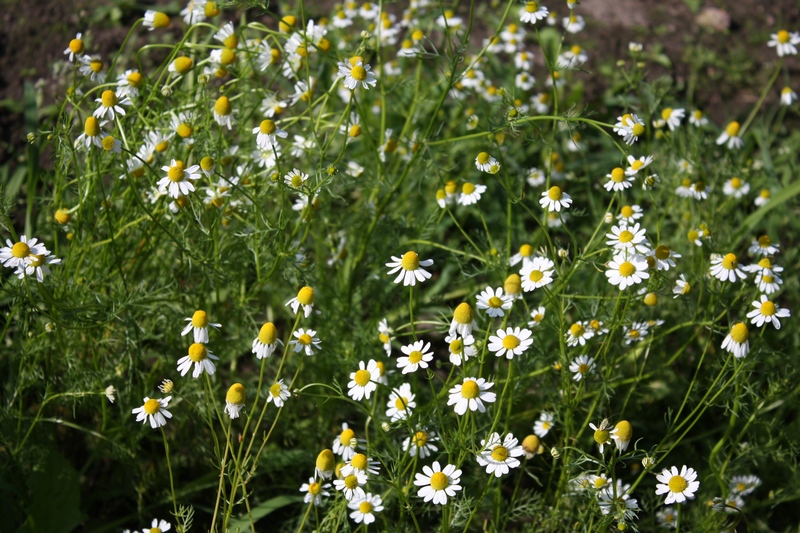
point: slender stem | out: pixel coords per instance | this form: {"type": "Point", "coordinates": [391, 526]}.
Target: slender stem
{"type": "Point", "coordinates": [169, 468]}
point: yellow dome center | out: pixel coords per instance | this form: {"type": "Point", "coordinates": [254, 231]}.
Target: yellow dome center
{"type": "Point", "coordinates": [420, 439]}
{"type": "Point", "coordinates": [666, 113]}
{"type": "Point", "coordinates": [736, 183]}
{"type": "Point", "coordinates": [359, 461]}
{"type": "Point", "coordinates": [495, 302]}
{"type": "Point", "coordinates": [500, 453]}
{"type": "Point", "coordinates": [76, 46]}
{"type": "Point", "coordinates": [662, 252]}
{"type": "Point", "coordinates": [223, 106]}
{"type": "Point", "coordinates": [535, 275]}
{"type": "Point", "coordinates": [513, 284]}
{"type": "Point", "coordinates": [184, 130]}
{"type": "Point", "coordinates": [305, 339]}
{"type": "Point", "coordinates": [415, 357]}
{"type": "Point", "coordinates": [410, 261]}
{"type": "Point", "coordinates": [456, 346]}
{"type": "Point", "coordinates": [483, 158]}
{"type": "Point", "coordinates": [636, 165]}
{"type": "Point", "coordinates": [626, 211]}
{"type": "Point", "coordinates": [765, 263]}
{"type": "Point", "coordinates": [211, 10]}
{"type": "Point", "coordinates": [577, 329]}
{"type": "Point", "coordinates": [306, 296]}
{"type": "Point", "coordinates": [362, 377]}
{"type": "Point", "coordinates": [20, 250]}
{"type": "Point", "coordinates": [510, 342]}
{"type": "Point", "coordinates": [96, 65]}
{"type": "Point", "coordinates": [355, 131]}
{"type": "Point", "coordinates": [351, 482]}
{"type": "Point", "coordinates": [468, 188]}
{"type": "Point", "coordinates": [463, 313]}
{"type": "Point", "coordinates": [176, 173]}
{"type": "Point", "coordinates": [531, 7]}
{"type": "Point", "coordinates": [314, 488]}
{"type": "Point", "coordinates": [197, 352]}
{"type": "Point", "coordinates": [365, 507]}
{"type": "Point", "coordinates": [199, 319]}
{"type": "Point", "coordinates": [783, 36]}
{"type": "Point", "coordinates": [470, 389]}
{"type": "Point", "coordinates": [625, 236]}
{"type": "Point", "coordinates": [182, 64]}
{"type": "Point", "coordinates": [627, 269]}
{"type": "Point", "coordinates": [347, 437]}
{"type": "Point", "coordinates": [677, 484]}
{"type": "Point", "coordinates": [152, 406]}
{"type": "Point", "coordinates": [740, 333]}
{"type": "Point", "coordinates": [732, 129]}
{"type": "Point", "coordinates": [583, 368]}
{"type": "Point", "coordinates": [764, 242]}
{"type": "Point", "coordinates": [554, 193]}
{"type": "Point", "coordinates": [401, 403]}
{"type": "Point", "coordinates": [236, 394]}
{"type": "Point", "coordinates": [638, 129]}
{"type": "Point", "coordinates": [439, 481]}
{"type": "Point", "coordinates": [768, 308]}
{"type": "Point", "coordinates": [91, 128]}
{"type": "Point", "coordinates": [160, 20]}
{"type": "Point", "coordinates": [729, 261]}
{"type": "Point", "coordinates": [358, 73]}
{"type": "Point", "coordinates": [108, 98]}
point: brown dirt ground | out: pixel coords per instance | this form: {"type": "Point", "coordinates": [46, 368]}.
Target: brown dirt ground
{"type": "Point", "coordinates": [35, 32]}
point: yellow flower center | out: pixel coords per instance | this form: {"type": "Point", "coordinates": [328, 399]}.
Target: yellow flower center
{"type": "Point", "coordinates": [449, 14]}
{"type": "Point", "coordinates": [275, 390]}
{"type": "Point", "coordinates": [531, 444]}
{"type": "Point", "coordinates": [470, 389]}
{"type": "Point", "coordinates": [699, 186]}
{"type": "Point", "coordinates": [526, 250]}
{"type": "Point", "coordinates": [207, 163]}
{"type": "Point", "coordinates": [626, 211]}
{"type": "Point", "coordinates": [91, 128]}
{"type": "Point", "coordinates": [618, 175]}
{"type": "Point", "coordinates": [176, 173]}
{"type": "Point", "coordinates": [740, 333]}
{"type": "Point", "coordinates": [495, 302]}
{"type": "Point", "coordinates": [636, 165]}
{"type": "Point", "coordinates": [729, 261]}
{"type": "Point", "coordinates": [314, 488]}
{"type": "Point", "coordinates": [36, 260]}
{"type": "Point", "coordinates": [768, 308]}
{"type": "Point", "coordinates": [677, 484]}
{"type": "Point", "coordinates": [740, 487]}
{"type": "Point", "coordinates": [439, 481]}
{"type": "Point", "coordinates": [463, 313]}
{"type": "Point", "coordinates": [351, 482]}
{"type": "Point", "coordinates": [384, 338]}
{"type": "Point", "coordinates": [764, 242]}
{"type": "Point", "coordinates": [362, 377]}
{"type": "Point", "coordinates": [197, 352]}
{"type": "Point", "coordinates": [304, 339]}
{"type": "Point", "coordinates": [468, 188]}
{"type": "Point", "coordinates": [600, 482]}
{"type": "Point", "coordinates": [627, 269]}
{"type": "Point", "coordinates": [359, 461]}
{"type": "Point", "coordinates": [666, 113]}
{"type": "Point", "coordinates": [736, 183]}
{"type": "Point", "coordinates": [401, 403]}
{"type": "Point", "coordinates": [535, 275]}
{"type": "Point", "coordinates": [236, 394]}
{"type": "Point", "coordinates": [160, 20]}
{"type": "Point", "coordinates": [765, 193]}
{"type": "Point", "coordinates": [211, 10]}
{"type": "Point", "coordinates": [407, 43]}
{"type": "Point", "coordinates": [108, 98]}
{"type": "Point", "coordinates": [783, 36]}
{"type": "Point", "coordinates": [287, 22]}
{"type": "Point", "coordinates": [651, 299]}
{"type": "Point", "coordinates": [483, 158]}
{"type": "Point", "coordinates": [625, 236]}
{"type": "Point", "coordinates": [623, 430]}
{"type": "Point", "coordinates": [451, 187]}
{"type": "Point", "coordinates": [306, 296]}
{"type": "Point", "coordinates": [96, 65]}
{"type": "Point", "coordinates": [108, 143]}
{"type": "Point", "coordinates": [500, 453]}
{"type": "Point", "coordinates": [358, 73]}
{"type": "Point", "coordinates": [634, 334]}
{"type": "Point", "coordinates": [160, 147]}
{"type": "Point", "coordinates": [420, 439]}
{"type": "Point", "coordinates": [231, 41]}
{"type": "Point", "coordinates": [692, 235]}
{"type": "Point", "coordinates": [182, 64]}
{"type": "Point", "coordinates": [732, 129]}
{"type": "Point", "coordinates": [638, 129]}
{"type": "Point", "coordinates": [415, 357]}
{"type": "Point", "coordinates": [531, 7]}
{"type": "Point", "coordinates": [662, 252]}
{"type": "Point", "coordinates": [223, 106]}
{"type": "Point", "coordinates": [62, 217]}
{"type": "Point", "coordinates": [355, 131]}
{"type": "Point", "coordinates": [347, 436]}
{"type": "Point", "coordinates": [184, 130]}
{"type": "Point", "coordinates": [365, 507]}
{"type": "Point", "coordinates": [325, 459]}
{"type": "Point", "coordinates": [410, 261]}
{"type": "Point", "coordinates": [601, 436]}
{"type": "Point", "coordinates": [324, 44]}
{"type": "Point", "coordinates": [456, 346]}
{"type": "Point", "coordinates": [199, 319]}
{"type": "Point", "coordinates": [577, 329]}
{"type": "Point", "coordinates": [513, 284]}
{"type": "Point", "coordinates": [765, 263]}
{"type": "Point", "coordinates": [152, 406]}
{"type": "Point", "coordinates": [381, 367]}
{"type": "Point", "coordinates": [510, 342]}
{"type": "Point", "coordinates": [227, 56]}
{"type": "Point", "coordinates": [76, 46]}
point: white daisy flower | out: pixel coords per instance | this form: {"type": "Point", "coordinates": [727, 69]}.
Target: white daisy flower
{"type": "Point", "coordinates": [304, 298]}
{"type": "Point", "coordinates": [537, 316]}
{"type": "Point", "coordinates": [731, 136]}
{"type": "Point", "coordinates": [499, 456]}
{"type": "Point", "coordinates": [767, 312]}
{"type": "Point", "coordinates": [437, 484]}
{"type": "Point", "coordinates": [355, 73]}
{"type": "Point", "coordinates": [486, 163]}
{"type": "Point", "coordinates": [662, 257]}
{"type": "Point", "coordinates": [364, 508]}
{"type": "Point", "coordinates": [538, 273]}
{"type": "Point", "coordinates": [421, 443]}
{"type": "Point", "coordinates": [618, 180]}
{"type": "Point", "coordinates": [198, 324]}
{"type": "Point", "coordinates": [110, 105]}
{"type": "Point", "coordinates": [76, 47]}
{"type": "Point", "coordinates": [636, 332]}
{"type": "Point", "coordinates": [554, 199]}
{"type": "Point", "coordinates": [385, 336]}
{"type": "Point", "coordinates": [672, 117]}
{"type": "Point", "coordinates": [626, 270]}
{"type": "Point", "coordinates": [471, 193]}
{"type": "Point", "coordinates": [494, 301]}
{"type": "Point", "coordinates": [306, 341]}
{"type": "Point", "coordinates": [726, 268]}
{"type": "Point", "coordinates": [511, 342]}
{"type": "Point", "coordinates": [543, 426]}
{"type": "Point", "coordinates": [267, 133]}
{"type": "Point", "coordinates": [176, 183]}
{"type": "Point", "coordinates": [410, 269]}
{"type": "Point", "coordinates": [234, 400]}
{"type": "Point", "coordinates": [417, 355]}
{"type": "Point", "coordinates": [363, 381]}
{"type": "Point", "coordinates": [579, 333]}
{"type": "Point", "coordinates": [157, 526]}
{"type": "Point", "coordinates": [463, 320]}
{"type": "Point", "coordinates": [200, 357]}
{"type": "Point", "coordinates": [315, 491]}
{"type": "Point", "coordinates": [784, 42]}
{"type": "Point", "coordinates": [678, 486]}
{"type": "Point", "coordinates": [635, 165]}
{"type": "Point", "coordinates": [267, 341]}
{"type": "Point", "coordinates": [346, 443]}
{"type": "Point", "coordinates": [351, 486]}
{"type": "Point", "coordinates": [764, 246]}
{"type": "Point", "coordinates": [471, 394]}
{"type": "Point", "coordinates": [461, 348]}
{"type": "Point", "coordinates": [602, 434]}
{"type": "Point", "coordinates": [788, 96]}
{"type": "Point", "coordinates": [532, 12]}
{"type": "Point", "coordinates": [224, 111]}
{"type": "Point", "coordinates": [630, 127]}
{"type": "Point", "coordinates": [698, 119]}
{"type": "Point", "coordinates": [573, 23]}
{"type": "Point", "coordinates": [401, 402]}
{"type": "Point", "coordinates": [278, 394]}
{"type": "Point", "coordinates": [736, 187]}
{"type": "Point", "coordinates": [536, 177]}
{"type": "Point", "coordinates": [18, 255]}
{"type": "Point", "coordinates": [737, 340]}
{"type": "Point", "coordinates": [682, 287]}
{"type": "Point", "coordinates": [155, 410]}
{"type": "Point", "coordinates": [581, 366]}
{"type": "Point", "coordinates": [360, 464]}
{"type": "Point", "coordinates": [628, 239]}
{"type": "Point", "coordinates": [744, 485]}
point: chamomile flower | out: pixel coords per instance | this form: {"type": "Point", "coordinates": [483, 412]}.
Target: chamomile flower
{"type": "Point", "coordinates": [730, 136]}
{"type": "Point", "coordinates": [267, 341]}
{"type": "Point", "coordinates": [198, 324]}
{"type": "Point", "coordinates": [351, 486]}
{"type": "Point", "coordinates": [630, 127]}
{"type": "Point", "coordinates": [494, 301]}
{"type": "Point", "coordinates": [499, 456]}
{"type": "Point", "coordinates": [737, 340]}
{"type": "Point", "coordinates": [449, 21]}
{"type": "Point", "coordinates": [682, 287]}
{"type": "Point", "coordinates": [346, 443]}
{"type": "Point", "coordinates": [543, 426]}
{"type": "Point", "coordinates": [416, 355]}
{"type": "Point", "coordinates": [385, 336]}
{"type": "Point", "coordinates": [360, 464]}
{"type": "Point", "coordinates": [401, 402]}
{"type": "Point", "coordinates": [788, 96]}
{"type": "Point", "coordinates": [21, 254]}
{"type": "Point", "coordinates": [764, 246]}
{"type": "Point", "coordinates": [200, 357]}
{"type": "Point", "coordinates": [224, 111]}
{"type": "Point", "coordinates": [554, 199]}
{"type": "Point", "coordinates": [92, 66]}
{"type": "Point", "coordinates": [461, 348]}
{"type": "Point", "coordinates": [356, 72]}
{"type": "Point", "coordinates": [511, 342]}
{"type": "Point", "coordinates": [154, 410]}
{"type": "Point", "coordinates": [421, 444]}
{"type": "Point", "coordinates": [767, 312]}
{"type": "Point", "coordinates": [736, 187]}
{"type": "Point", "coordinates": [363, 508]}
{"type": "Point", "coordinates": [536, 177]}
{"type": "Point", "coordinates": [93, 134]}
{"type": "Point", "coordinates": [618, 180]}
{"type": "Point", "coordinates": [463, 320]}
{"type": "Point", "coordinates": [525, 255]}
{"type": "Point", "coordinates": [110, 105]}
{"type": "Point", "coordinates": [304, 298]}
{"type": "Point", "coordinates": [581, 367]}
{"type": "Point", "coordinates": [602, 434]}
{"type": "Point", "coordinates": [629, 214]}
{"type": "Point", "coordinates": [622, 434]}
{"type": "Point", "coordinates": [635, 165]}
{"type": "Point", "coordinates": [306, 341]}
{"type": "Point", "coordinates": [579, 333]}
{"type": "Point", "coordinates": [486, 162]}
{"type": "Point", "coordinates": [770, 282]}
{"type": "Point", "coordinates": [663, 257]}
{"type": "Point", "coordinates": [537, 315]}
{"type": "Point", "coordinates": [176, 183]}
{"type": "Point", "coordinates": [471, 193]}
{"type": "Point", "coordinates": [628, 239]}
{"type": "Point", "coordinates": [573, 23]}
{"type": "Point", "coordinates": [437, 484]}
{"type": "Point", "coordinates": [155, 19]}
{"type": "Point", "coordinates": [667, 517]}
{"type": "Point", "coordinates": [672, 117]}
{"type": "Point", "coordinates": [636, 332]}
{"type": "Point", "coordinates": [726, 268]}
{"type": "Point", "coordinates": [158, 526]}
{"type": "Point", "coordinates": [700, 190]}
{"type": "Point", "coordinates": [75, 48]}
{"type": "Point", "coordinates": [278, 393]}
{"type": "Point", "coordinates": [409, 266]}
{"type": "Point", "coordinates": [677, 485]}
{"type": "Point", "coordinates": [234, 400]}
{"type": "Point", "coordinates": [538, 273]}
{"type": "Point", "coordinates": [744, 485]}
{"type": "Point", "coordinates": [471, 394]}
{"type": "Point", "coordinates": [626, 270]}
{"type": "Point", "coordinates": [315, 491]}
{"type": "Point", "coordinates": [784, 42]}
{"type": "Point", "coordinates": [364, 381]}
{"type": "Point", "coordinates": [617, 500]}
{"type": "Point", "coordinates": [267, 133]}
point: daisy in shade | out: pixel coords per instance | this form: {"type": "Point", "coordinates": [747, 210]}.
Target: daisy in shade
{"type": "Point", "coordinates": [304, 298]}
{"type": "Point", "coordinates": [737, 340]}
{"type": "Point", "coordinates": [677, 485]}
{"type": "Point", "coordinates": [579, 333]}
{"type": "Point", "coordinates": [602, 434]}
{"type": "Point", "coordinates": [315, 491]}
{"type": "Point", "coordinates": [537, 315]}
{"type": "Point", "coordinates": [176, 183]}
{"type": "Point", "coordinates": [363, 381]}
{"type": "Point", "coordinates": [731, 136]}
{"type": "Point", "coordinates": [788, 96]}
{"type": "Point", "coordinates": [784, 42]}
{"type": "Point", "coordinates": [554, 199]}
{"type": "Point", "coordinates": [767, 312]}
{"type": "Point", "coordinates": [346, 443]}
{"type": "Point", "coordinates": [37, 266]}
{"type": "Point", "coordinates": [525, 255]}
{"type": "Point", "coordinates": [744, 485]}
{"type": "Point", "coordinates": [363, 508]}
{"type": "Point", "coordinates": [618, 180]}
{"type": "Point", "coordinates": [635, 165]}
{"type": "Point", "coordinates": [306, 340]}
{"type": "Point", "coordinates": [543, 426]}
{"type": "Point", "coordinates": [500, 456]}
{"type": "Point", "coordinates": [198, 323]}
{"type": "Point", "coordinates": [538, 273]}
{"type": "Point", "coordinates": [463, 320]}
{"type": "Point", "coordinates": [356, 72]}
{"type": "Point", "coordinates": [417, 355]}
{"type": "Point", "coordinates": [770, 282]}
{"type": "Point", "coordinates": [581, 367]}
{"type": "Point", "coordinates": [385, 336]}
{"type": "Point", "coordinates": [421, 443]}
{"type": "Point", "coordinates": [351, 486]}
{"type": "Point", "coordinates": [487, 163]}
{"type": "Point", "coordinates": [234, 400]}
{"type": "Point", "coordinates": [697, 118]}
{"type": "Point", "coordinates": [267, 341]}
{"type": "Point", "coordinates": [200, 357]}
{"type": "Point", "coordinates": [532, 13]}
{"type": "Point", "coordinates": [471, 193]}
{"type": "Point", "coordinates": [636, 332]}
{"type": "Point", "coordinates": [662, 257]}
{"type": "Point", "coordinates": [438, 484]}
{"type": "Point", "coordinates": [494, 301]}
{"type": "Point", "coordinates": [511, 342]}
{"type": "Point", "coordinates": [401, 402]}
{"type": "Point", "coordinates": [672, 117]}
{"type": "Point", "coordinates": [626, 270]}
{"type": "Point", "coordinates": [726, 268]}
{"type": "Point", "coordinates": [410, 269]}
{"type": "Point", "coordinates": [278, 394]}
{"type": "Point", "coordinates": [470, 395]}
{"type": "Point", "coordinates": [682, 287]}
{"type": "Point", "coordinates": [158, 526]}
{"type": "Point", "coordinates": [155, 410]}
{"type": "Point", "coordinates": [763, 246]}
{"type": "Point", "coordinates": [461, 348]}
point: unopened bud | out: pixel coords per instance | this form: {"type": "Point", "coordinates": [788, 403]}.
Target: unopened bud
{"type": "Point", "coordinates": [166, 90]}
